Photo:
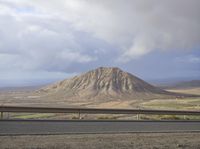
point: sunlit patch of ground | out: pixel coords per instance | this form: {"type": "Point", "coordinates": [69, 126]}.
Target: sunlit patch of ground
{"type": "Point", "coordinates": [178, 103]}
{"type": "Point", "coordinates": [173, 104]}
{"type": "Point", "coordinates": [195, 91]}
{"type": "Point", "coordinates": [114, 104]}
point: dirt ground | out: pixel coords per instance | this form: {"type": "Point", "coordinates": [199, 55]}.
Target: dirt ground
{"type": "Point", "coordinates": [104, 141]}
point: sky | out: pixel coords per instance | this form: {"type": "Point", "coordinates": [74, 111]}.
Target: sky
{"type": "Point", "coordinates": [44, 41]}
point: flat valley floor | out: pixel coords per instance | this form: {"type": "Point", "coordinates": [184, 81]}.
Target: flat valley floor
{"type": "Point", "coordinates": [103, 141]}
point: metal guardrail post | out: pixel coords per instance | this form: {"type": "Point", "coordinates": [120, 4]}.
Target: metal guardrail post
{"type": "Point", "coordinates": [79, 114]}
{"type": "Point", "coordinates": [1, 115]}
{"type": "Point", "coordinates": [138, 116]}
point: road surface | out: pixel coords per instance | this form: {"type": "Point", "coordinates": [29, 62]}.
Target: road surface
{"type": "Point", "coordinates": [23, 127]}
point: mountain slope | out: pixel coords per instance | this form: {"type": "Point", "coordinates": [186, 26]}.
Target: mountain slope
{"type": "Point", "coordinates": [104, 84]}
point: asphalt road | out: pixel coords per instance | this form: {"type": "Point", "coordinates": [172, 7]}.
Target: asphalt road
{"type": "Point", "coordinates": [13, 127]}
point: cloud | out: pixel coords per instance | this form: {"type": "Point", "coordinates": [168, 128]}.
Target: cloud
{"type": "Point", "coordinates": [137, 27]}
{"type": "Point", "coordinates": [32, 41]}
{"type": "Point", "coordinates": [194, 59]}
{"type": "Point", "coordinates": [71, 36]}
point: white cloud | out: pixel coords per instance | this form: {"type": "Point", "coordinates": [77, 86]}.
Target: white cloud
{"type": "Point", "coordinates": [194, 59]}
{"type": "Point", "coordinates": [189, 59]}
{"type": "Point", "coordinates": [163, 24]}
{"type": "Point", "coordinates": [56, 35]}
{"type": "Point", "coordinates": [38, 42]}
{"type": "Point", "coordinates": [137, 26]}
{"type": "Point", "coordinates": [75, 56]}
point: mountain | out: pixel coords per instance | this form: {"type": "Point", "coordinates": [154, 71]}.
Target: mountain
{"type": "Point", "coordinates": [104, 84]}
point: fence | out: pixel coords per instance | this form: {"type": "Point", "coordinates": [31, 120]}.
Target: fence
{"type": "Point", "coordinates": [80, 111]}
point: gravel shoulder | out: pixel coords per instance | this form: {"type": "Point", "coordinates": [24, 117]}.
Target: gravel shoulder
{"type": "Point", "coordinates": [103, 141]}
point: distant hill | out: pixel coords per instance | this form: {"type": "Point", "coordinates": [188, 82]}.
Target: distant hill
{"type": "Point", "coordinates": [184, 85]}
{"type": "Point", "coordinates": [104, 84]}
{"type": "Point", "coordinates": [24, 88]}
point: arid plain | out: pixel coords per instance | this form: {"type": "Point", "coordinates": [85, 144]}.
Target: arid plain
{"type": "Point", "coordinates": [104, 87]}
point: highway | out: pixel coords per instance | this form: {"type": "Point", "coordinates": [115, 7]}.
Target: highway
{"type": "Point", "coordinates": [25, 127]}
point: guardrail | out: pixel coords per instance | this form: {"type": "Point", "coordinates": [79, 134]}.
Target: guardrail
{"type": "Point", "coordinates": [93, 111]}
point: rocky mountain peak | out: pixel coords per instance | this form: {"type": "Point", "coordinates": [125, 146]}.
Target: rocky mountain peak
{"type": "Point", "coordinates": [103, 82]}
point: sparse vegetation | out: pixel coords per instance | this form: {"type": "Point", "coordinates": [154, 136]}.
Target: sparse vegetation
{"type": "Point", "coordinates": [107, 118]}
{"type": "Point", "coordinates": [174, 104]}
{"type": "Point", "coordinates": [75, 117]}
{"type": "Point", "coordinates": [34, 116]}
{"type": "Point", "coordinates": [168, 117]}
